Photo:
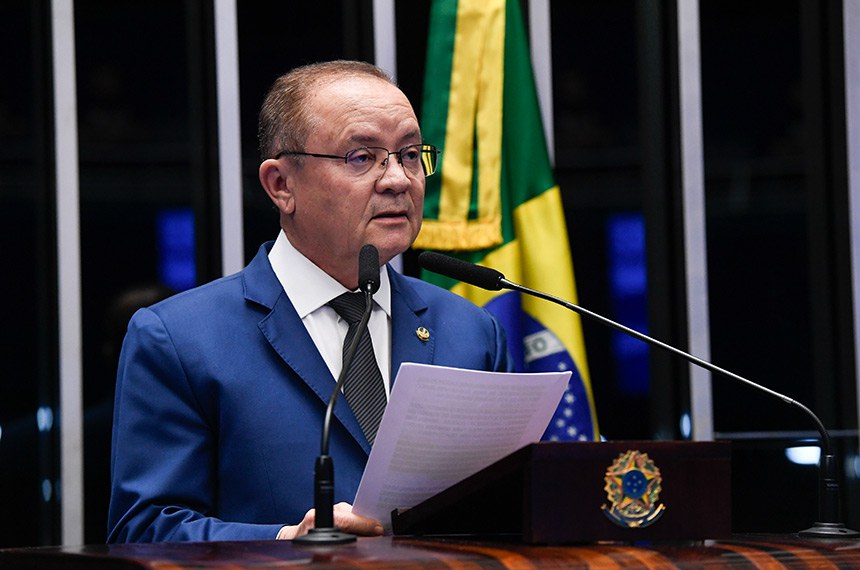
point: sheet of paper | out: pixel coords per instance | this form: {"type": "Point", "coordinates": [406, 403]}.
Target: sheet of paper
{"type": "Point", "coordinates": [443, 424]}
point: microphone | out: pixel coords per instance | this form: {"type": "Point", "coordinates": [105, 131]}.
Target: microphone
{"type": "Point", "coordinates": [368, 269]}
{"type": "Point", "coordinates": [324, 532]}
{"type": "Point", "coordinates": [829, 525]}
{"type": "Point", "coordinates": [477, 275]}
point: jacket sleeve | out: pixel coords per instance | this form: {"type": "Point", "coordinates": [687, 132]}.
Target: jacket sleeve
{"type": "Point", "coordinates": [503, 362]}
{"type": "Point", "coordinates": [164, 449]}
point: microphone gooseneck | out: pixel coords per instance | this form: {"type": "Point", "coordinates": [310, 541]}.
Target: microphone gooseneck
{"type": "Point", "coordinates": [324, 532]}
{"type": "Point", "coordinates": [829, 525]}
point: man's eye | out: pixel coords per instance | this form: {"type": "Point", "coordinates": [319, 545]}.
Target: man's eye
{"type": "Point", "coordinates": [410, 154]}
{"type": "Point", "coordinates": [360, 157]}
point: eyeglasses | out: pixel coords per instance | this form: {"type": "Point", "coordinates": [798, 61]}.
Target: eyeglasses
{"type": "Point", "coordinates": [415, 158]}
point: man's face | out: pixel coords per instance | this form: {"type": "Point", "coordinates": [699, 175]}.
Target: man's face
{"type": "Point", "coordinates": [331, 212]}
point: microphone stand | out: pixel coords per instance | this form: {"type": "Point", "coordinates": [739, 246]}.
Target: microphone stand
{"type": "Point", "coordinates": [830, 524]}
{"type": "Point", "coordinates": [324, 532]}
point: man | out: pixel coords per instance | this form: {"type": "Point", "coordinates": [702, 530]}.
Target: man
{"type": "Point", "coordinates": [221, 390]}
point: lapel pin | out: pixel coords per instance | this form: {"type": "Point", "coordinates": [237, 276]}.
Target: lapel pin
{"type": "Point", "coordinates": [422, 334]}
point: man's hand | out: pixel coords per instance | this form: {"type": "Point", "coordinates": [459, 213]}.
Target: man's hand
{"type": "Point", "coordinates": [344, 519]}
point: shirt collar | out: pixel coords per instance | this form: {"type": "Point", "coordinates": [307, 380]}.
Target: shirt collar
{"type": "Point", "coordinates": [308, 286]}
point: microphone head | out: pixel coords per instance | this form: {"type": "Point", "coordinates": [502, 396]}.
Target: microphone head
{"type": "Point", "coordinates": [368, 269]}
{"type": "Point", "coordinates": [477, 275]}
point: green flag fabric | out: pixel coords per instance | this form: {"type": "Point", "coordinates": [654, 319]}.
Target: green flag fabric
{"type": "Point", "coordinates": [494, 200]}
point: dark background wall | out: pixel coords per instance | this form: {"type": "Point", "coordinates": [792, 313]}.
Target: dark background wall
{"type": "Point", "coordinates": [776, 191]}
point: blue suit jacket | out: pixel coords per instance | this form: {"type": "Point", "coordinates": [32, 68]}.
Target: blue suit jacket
{"type": "Point", "coordinates": [220, 400]}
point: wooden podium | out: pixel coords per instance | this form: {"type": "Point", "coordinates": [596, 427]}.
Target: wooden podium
{"type": "Point", "coordinates": [556, 493]}
{"type": "Point", "coordinates": [739, 553]}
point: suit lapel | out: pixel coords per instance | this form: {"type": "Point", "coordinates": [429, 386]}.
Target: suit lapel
{"type": "Point", "coordinates": [408, 311]}
{"type": "Point", "coordinates": [284, 330]}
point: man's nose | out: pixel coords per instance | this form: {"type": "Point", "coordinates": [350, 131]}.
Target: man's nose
{"type": "Point", "coordinates": [394, 175]}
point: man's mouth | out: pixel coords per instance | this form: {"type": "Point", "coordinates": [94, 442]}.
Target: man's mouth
{"type": "Point", "coordinates": [384, 215]}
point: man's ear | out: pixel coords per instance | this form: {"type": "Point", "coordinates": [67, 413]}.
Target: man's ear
{"type": "Point", "coordinates": [275, 180]}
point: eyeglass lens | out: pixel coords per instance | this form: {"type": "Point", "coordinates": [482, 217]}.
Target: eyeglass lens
{"type": "Point", "coordinates": [418, 159]}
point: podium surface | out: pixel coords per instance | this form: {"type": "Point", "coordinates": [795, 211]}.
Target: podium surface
{"type": "Point", "coordinates": [760, 551]}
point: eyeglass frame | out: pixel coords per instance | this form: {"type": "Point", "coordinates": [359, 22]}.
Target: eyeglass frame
{"type": "Point", "coordinates": [428, 148]}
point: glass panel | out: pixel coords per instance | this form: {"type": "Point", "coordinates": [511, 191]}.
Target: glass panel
{"type": "Point", "coordinates": [29, 450]}
{"type": "Point", "coordinates": [599, 169]}
{"type": "Point", "coordinates": [268, 48]}
{"type": "Point", "coordinates": [140, 93]}
{"type": "Point", "coordinates": [757, 208]}
{"type": "Point", "coordinates": [773, 104]}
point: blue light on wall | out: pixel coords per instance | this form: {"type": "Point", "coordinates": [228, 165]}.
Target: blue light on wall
{"type": "Point", "coordinates": [176, 264]}
{"type": "Point", "coordinates": [628, 283]}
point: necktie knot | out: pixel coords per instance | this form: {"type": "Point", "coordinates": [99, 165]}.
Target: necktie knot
{"type": "Point", "coordinates": [350, 306]}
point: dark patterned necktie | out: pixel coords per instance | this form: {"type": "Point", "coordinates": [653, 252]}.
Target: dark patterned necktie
{"type": "Point", "coordinates": [363, 387]}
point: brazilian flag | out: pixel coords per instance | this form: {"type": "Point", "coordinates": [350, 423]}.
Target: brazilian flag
{"type": "Point", "coordinates": [494, 200]}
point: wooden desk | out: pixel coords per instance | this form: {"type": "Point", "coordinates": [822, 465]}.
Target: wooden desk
{"type": "Point", "coordinates": [760, 551]}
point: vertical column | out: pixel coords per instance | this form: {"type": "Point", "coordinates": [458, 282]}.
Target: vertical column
{"type": "Point", "coordinates": [69, 272]}
{"type": "Point", "coordinates": [229, 136]}
{"type": "Point", "coordinates": [384, 36]}
{"type": "Point", "coordinates": [540, 42]}
{"type": "Point", "coordinates": [385, 56]}
{"type": "Point", "coordinates": [695, 244]}
{"type": "Point", "coordinates": [851, 32]}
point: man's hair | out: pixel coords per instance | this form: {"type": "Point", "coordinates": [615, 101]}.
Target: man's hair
{"type": "Point", "coordinates": [285, 120]}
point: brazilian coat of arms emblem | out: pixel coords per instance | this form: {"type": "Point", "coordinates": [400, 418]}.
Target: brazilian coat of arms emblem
{"type": "Point", "coordinates": [633, 485]}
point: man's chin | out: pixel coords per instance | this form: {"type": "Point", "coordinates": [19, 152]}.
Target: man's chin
{"type": "Point", "coordinates": [390, 248]}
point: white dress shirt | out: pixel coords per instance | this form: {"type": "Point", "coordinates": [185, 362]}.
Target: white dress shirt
{"type": "Point", "coordinates": [310, 288]}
